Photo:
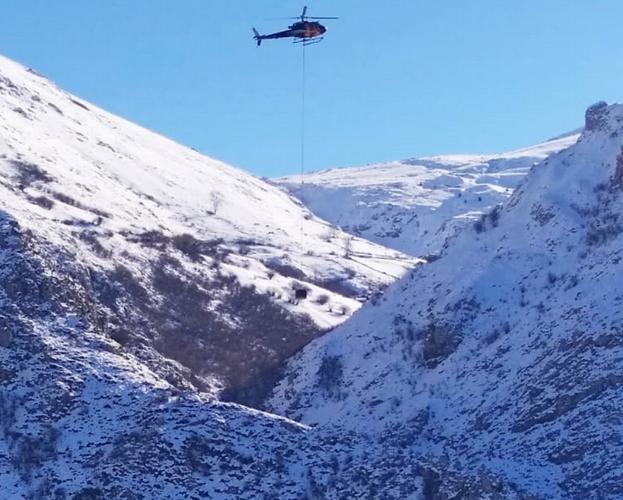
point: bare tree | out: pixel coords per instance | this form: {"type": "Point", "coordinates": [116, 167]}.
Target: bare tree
{"type": "Point", "coordinates": [330, 234]}
{"type": "Point", "coordinates": [348, 243]}
{"type": "Point", "coordinates": [216, 200]}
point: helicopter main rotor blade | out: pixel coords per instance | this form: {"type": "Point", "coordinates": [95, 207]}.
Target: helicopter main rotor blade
{"type": "Point", "coordinates": [304, 16]}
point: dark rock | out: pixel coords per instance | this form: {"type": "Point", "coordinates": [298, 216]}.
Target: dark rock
{"type": "Point", "coordinates": [616, 180]}
{"type": "Point", "coordinates": [440, 341]}
{"type": "Point", "coordinates": [595, 117]}
{"type": "Point", "coordinates": [6, 337]}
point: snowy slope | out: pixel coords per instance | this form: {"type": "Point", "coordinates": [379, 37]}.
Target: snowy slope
{"type": "Point", "coordinates": [415, 205]}
{"type": "Point", "coordinates": [87, 414]}
{"type": "Point", "coordinates": [505, 355]}
{"type": "Point", "coordinates": [80, 418]}
{"type": "Point", "coordinates": [183, 254]}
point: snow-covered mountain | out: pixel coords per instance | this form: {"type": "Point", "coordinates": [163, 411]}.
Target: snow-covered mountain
{"type": "Point", "coordinates": [187, 262]}
{"type": "Point", "coordinates": [415, 205]}
{"type": "Point", "coordinates": [505, 355]}
{"type": "Point", "coordinates": [136, 278]}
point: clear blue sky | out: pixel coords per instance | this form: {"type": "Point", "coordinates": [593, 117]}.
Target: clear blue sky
{"type": "Point", "coordinates": [392, 79]}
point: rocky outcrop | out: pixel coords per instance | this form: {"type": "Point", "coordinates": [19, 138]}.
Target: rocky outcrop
{"type": "Point", "coordinates": [596, 117]}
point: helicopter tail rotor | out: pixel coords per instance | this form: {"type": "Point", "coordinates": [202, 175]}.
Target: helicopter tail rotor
{"type": "Point", "coordinates": [257, 37]}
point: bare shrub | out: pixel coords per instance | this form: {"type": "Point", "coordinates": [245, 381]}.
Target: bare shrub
{"type": "Point", "coordinates": [29, 173]}
{"type": "Point", "coordinates": [329, 375]}
{"type": "Point", "coordinates": [188, 245]}
{"type": "Point", "coordinates": [440, 341]}
{"type": "Point", "coordinates": [42, 201]}
{"type": "Point", "coordinates": [216, 200]}
{"type": "Point", "coordinates": [322, 299]}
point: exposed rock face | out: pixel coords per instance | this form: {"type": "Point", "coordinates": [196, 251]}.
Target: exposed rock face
{"type": "Point", "coordinates": [596, 116]}
{"type": "Point", "coordinates": [439, 342]}
{"type": "Point", "coordinates": [617, 179]}
{"type": "Point", "coordinates": [533, 391]}
{"type": "Point", "coordinates": [6, 337]}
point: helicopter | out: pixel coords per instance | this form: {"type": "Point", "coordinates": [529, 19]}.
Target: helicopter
{"type": "Point", "coordinates": [306, 32]}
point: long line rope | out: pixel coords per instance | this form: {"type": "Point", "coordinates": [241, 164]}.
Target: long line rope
{"type": "Point", "coordinates": [303, 91]}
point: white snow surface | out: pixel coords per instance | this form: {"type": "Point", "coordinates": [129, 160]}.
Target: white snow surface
{"type": "Point", "coordinates": [414, 205]}
{"type": "Point", "coordinates": [113, 178]}
{"type": "Point", "coordinates": [505, 354]}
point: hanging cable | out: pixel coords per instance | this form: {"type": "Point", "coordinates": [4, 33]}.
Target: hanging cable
{"type": "Point", "coordinates": [301, 291]}
{"type": "Point", "coordinates": [303, 90]}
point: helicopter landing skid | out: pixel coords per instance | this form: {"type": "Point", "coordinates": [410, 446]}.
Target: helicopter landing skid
{"type": "Point", "coordinates": [305, 42]}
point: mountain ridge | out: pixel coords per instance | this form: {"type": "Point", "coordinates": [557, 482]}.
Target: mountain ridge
{"type": "Point", "coordinates": [510, 362]}
{"type": "Point", "coordinates": [414, 205]}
